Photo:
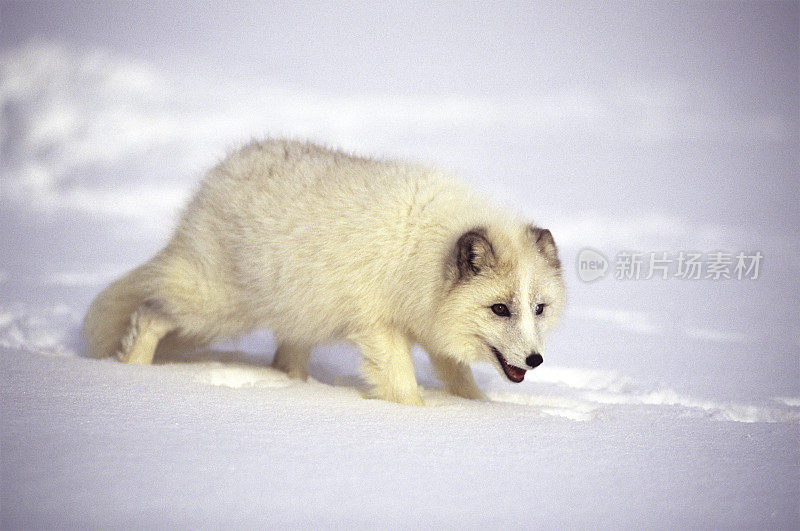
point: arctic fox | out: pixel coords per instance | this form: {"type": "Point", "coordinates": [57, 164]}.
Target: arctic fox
{"type": "Point", "coordinates": [319, 245]}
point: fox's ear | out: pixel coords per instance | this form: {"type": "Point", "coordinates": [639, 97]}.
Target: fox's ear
{"type": "Point", "coordinates": [474, 252]}
{"type": "Point", "coordinates": [543, 239]}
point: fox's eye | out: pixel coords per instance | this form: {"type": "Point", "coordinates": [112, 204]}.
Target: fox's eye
{"type": "Point", "coordinates": [540, 308]}
{"type": "Point", "coordinates": [501, 310]}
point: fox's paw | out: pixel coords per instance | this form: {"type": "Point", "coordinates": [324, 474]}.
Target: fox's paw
{"type": "Point", "coordinates": [470, 392]}
{"type": "Point", "coordinates": [408, 397]}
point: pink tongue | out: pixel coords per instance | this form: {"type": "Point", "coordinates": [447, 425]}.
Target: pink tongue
{"type": "Point", "coordinates": [516, 372]}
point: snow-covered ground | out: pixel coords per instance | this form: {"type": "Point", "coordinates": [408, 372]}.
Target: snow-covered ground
{"type": "Point", "coordinates": [215, 444]}
{"type": "Point", "coordinates": [661, 403]}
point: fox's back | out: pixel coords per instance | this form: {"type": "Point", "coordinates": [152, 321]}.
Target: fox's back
{"type": "Point", "coordinates": [306, 233]}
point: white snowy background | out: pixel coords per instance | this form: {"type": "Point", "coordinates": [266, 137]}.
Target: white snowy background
{"type": "Point", "coordinates": [661, 127]}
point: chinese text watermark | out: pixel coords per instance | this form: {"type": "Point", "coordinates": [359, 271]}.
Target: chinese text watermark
{"type": "Point", "coordinates": [683, 265]}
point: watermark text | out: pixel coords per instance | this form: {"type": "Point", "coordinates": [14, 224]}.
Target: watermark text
{"type": "Point", "coordinates": [683, 265]}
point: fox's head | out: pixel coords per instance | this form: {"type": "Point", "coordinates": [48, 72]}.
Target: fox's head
{"type": "Point", "coordinates": [504, 291]}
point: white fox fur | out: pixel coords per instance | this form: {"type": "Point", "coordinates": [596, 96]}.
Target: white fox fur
{"type": "Point", "coordinates": [318, 245]}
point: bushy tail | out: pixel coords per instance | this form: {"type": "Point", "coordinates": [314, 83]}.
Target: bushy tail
{"type": "Point", "coordinates": [109, 315]}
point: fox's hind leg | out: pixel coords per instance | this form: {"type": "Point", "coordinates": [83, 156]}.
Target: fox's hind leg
{"type": "Point", "coordinates": [457, 377]}
{"type": "Point", "coordinates": [292, 359]}
{"type": "Point", "coordinates": [146, 328]}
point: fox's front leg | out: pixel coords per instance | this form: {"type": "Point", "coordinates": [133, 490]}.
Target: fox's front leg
{"type": "Point", "coordinates": [387, 366]}
{"type": "Point", "coordinates": [457, 377]}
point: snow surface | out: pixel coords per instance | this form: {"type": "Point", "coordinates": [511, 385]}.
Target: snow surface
{"type": "Point", "coordinates": [213, 444]}
{"type": "Point", "coordinates": [661, 403]}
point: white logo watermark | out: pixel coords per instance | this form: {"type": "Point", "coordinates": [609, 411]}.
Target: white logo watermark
{"type": "Point", "coordinates": [591, 265]}
{"type": "Point", "coordinates": [685, 265]}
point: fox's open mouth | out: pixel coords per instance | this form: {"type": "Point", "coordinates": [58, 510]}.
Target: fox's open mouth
{"type": "Point", "coordinates": [515, 374]}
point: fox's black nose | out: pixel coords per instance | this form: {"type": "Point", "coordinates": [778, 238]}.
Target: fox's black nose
{"type": "Point", "coordinates": [534, 360]}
